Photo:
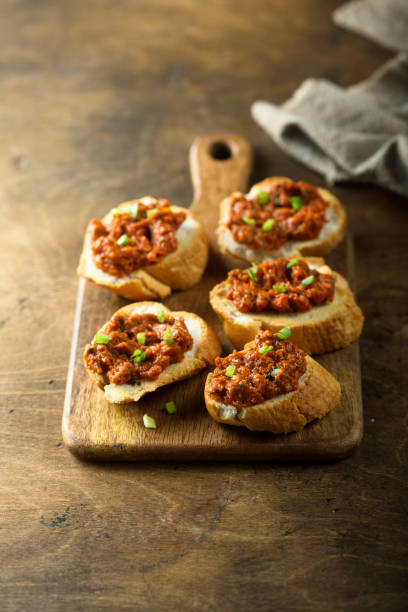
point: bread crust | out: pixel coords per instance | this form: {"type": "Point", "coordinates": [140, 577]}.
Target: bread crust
{"type": "Point", "coordinates": [178, 270]}
{"type": "Point", "coordinates": [330, 236]}
{"type": "Point", "coordinates": [322, 329]}
{"type": "Point", "coordinates": [206, 347]}
{"type": "Point", "coordinates": [285, 413]}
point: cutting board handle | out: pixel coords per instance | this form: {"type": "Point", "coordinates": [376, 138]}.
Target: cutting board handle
{"type": "Point", "coordinates": [220, 163]}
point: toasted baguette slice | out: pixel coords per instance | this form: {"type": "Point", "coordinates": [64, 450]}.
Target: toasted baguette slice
{"type": "Point", "coordinates": [206, 347]}
{"type": "Point", "coordinates": [322, 329]}
{"type": "Point", "coordinates": [179, 270]}
{"type": "Point", "coordinates": [318, 392]}
{"type": "Point", "coordinates": [330, 235]}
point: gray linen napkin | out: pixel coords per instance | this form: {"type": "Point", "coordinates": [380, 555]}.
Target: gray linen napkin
{"type": "Point", "coordinates": [386, 21]}
{"type": "Point", "coordinates": [359, 133]}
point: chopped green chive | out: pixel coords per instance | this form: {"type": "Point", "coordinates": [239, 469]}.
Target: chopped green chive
{"type": "Point", "coordinates": [230, 371]}
{"type": "Point", "coordinates": [252, 275]}
{"type": "Point", "coordinates": [309, 280]}
{"type": "Point", "coordinates": [134, 210]}
{"type": "Point", "coordinates": [101, 338]}
{"type": "Point", "coordinates": [151, 212]}
{"type": "Point", "coordinates": [268, 225]}
{"type": "Point", "coordinates": [296, 202]}
{"type": "Point", "coordinates": [170, 407]}
{"type": "Point", "coordinates": [115, 212]}
{"type": "Point", "coordinates": [263, 197]}
{"type": "Point", "coordinates": [141, 338]}
{"type": "Point", "coordinates": [292, 263]}
{"type": "Point", "coordinates": [266, 348]}
{"type": "Point", "coordinates": [149, 422]}
{"type": "Point", "coordinates": [124, 239]}
{"type": "Point", "coordinates": [168, 337]}
{"type": "Point", "coordinates": [284, 333]}
{"type": "Point", "coordinates": [160, 316]}
{"type": "Point", "coordinates": [248, 220]}
{"type": "Point", "coordinates": [274, 372]}
{"type": "Point", "coordinates": [138, 356]}
{"type": "Point", "coordinates": [280, 288]}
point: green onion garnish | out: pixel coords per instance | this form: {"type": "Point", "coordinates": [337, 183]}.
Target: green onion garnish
{"type": "Point", "coordinates": [273, 372]}
{"type": "Point", "coordinates": [284, 333]}
{"type": "Point", "coordinates": [160, 316]}
{"type": "Point", "coordinates": [149, 422]}
{"type": "Point", "coordinates": [292, 263]}
{"type": "Point", "coordinates": [170, 407]}
{"type": "Point", "coordinates": [101, 338]}
{"type": "Point", "coordinates": [124, 239]}
{"type": "Point", "coordinates": [296, 202]}
{"type": "Point", "coordinates": [248, 220]}
{"type": "Point", "coordinates": [309, 280]}
{"type": "Point", "coordinates": [138, 356]}
{"type": "Point", "coordinates": [252, 275]}
{"type": "Point", "coordinates": [280, 288]}
{"type": "Point", "coordinates": [151, 212]}
{"type": "Point", "coordinates": [268, 225]}
{"type": "Point", "coordinates": [115, 212]}
{"type": "Point", "coordinates": [168, 337]}
{"type": "Point", "coordinates": [141, 338]}
{"type": "Point", "coordinates": [230, 371]}
{"type": "Point", "coordinates": [265, 349]}
{"type": "Point", "coordinates": [134, 210]}
{"type": "Point", "coordinates": [263, 197]}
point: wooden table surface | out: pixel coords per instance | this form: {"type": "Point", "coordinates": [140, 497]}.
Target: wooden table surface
{"type": "Point", "coordinates": [100, 102]}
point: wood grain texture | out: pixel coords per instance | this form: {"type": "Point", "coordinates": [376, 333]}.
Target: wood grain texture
{"type": "Point", "coordinates": [100, 102]}
{"type": "Point", "coordinates": [94, 428]}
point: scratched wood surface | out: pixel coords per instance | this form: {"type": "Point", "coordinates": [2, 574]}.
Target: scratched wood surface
{"type": "Point", "coordinates": [92, 428]}
{"type": "Point", "coordinates": [100, 101]}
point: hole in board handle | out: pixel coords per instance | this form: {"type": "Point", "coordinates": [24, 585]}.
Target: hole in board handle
{"type": "Point", "coordinates": [220, 150]}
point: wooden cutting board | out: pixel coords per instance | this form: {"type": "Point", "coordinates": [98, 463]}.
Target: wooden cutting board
{"type": "Point", "coordinates": [94, 429]}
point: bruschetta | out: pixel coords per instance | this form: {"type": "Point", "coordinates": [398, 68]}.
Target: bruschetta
{"type": "Point", "coordinates": [278, 218]}
{"type": "Point", "coordinates": [144, 346]}
{"type": "Point", "coordinates": [301, 293]}
{"type": "Point", "coordinates": [144, 248]}
{"type": "Point", "coordinates": [271, 385]}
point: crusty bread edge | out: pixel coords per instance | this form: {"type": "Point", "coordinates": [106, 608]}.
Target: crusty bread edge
{"type": "Point", "coordinates": [184, 267]}
{"type": "Point", "coordinates": [137, 286]}
{"type": "Point", "coordinates": [284, 413]}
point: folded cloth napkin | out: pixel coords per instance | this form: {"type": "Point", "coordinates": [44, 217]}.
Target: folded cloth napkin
{"type": "Point", "coordinates": [386, 21]}
{"type": "Point", "coordinates": [359, 133]}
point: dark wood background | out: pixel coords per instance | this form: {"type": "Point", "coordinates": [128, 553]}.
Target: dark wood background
{"type": "Point", "coordinates": [99, 103]}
